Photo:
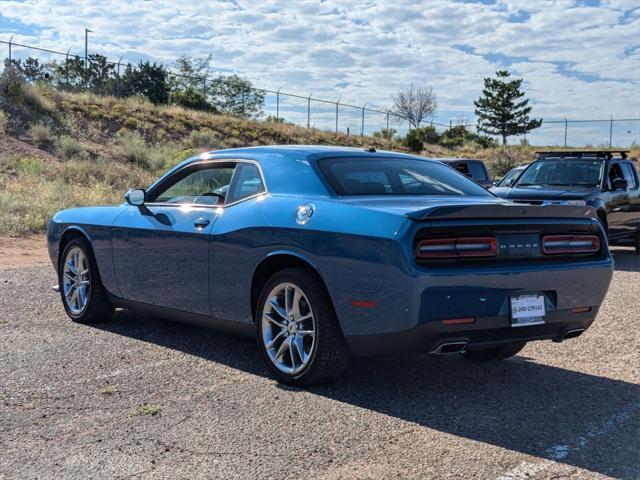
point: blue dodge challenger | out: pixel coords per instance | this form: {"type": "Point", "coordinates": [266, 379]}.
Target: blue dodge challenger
{"type": "Point", "coordinates": [325, 252]}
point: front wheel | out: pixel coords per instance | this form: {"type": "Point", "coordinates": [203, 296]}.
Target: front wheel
{"type": "Point", "coordinates": [494, 353]}
{"type": "Point", "coordinates": [83, 296]}
{"type": "Point", "coordinates": [298, 333]}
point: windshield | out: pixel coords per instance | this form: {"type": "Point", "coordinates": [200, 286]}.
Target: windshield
{"type": "Point", "coordinates": [582, 173]}
{"type": "Point", "coordinates": [396, 176]}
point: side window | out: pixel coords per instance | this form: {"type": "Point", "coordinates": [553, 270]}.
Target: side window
{"type": "Point", "coordinates": [478, 171]}
{"type": "Point", "coordinates": [630, 175]}
{"type": "Point", "coordinates": [615, 172]}
{"type": "Point", "coordinates": [246, 182]}
{"type": "Point", "coordinates": [463, 168]}
{"type": "Point", "coordinates": [201, 186]}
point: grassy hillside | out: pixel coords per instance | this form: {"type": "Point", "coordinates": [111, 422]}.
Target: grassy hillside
{"type": "Point", "coordinates": [59, 150]}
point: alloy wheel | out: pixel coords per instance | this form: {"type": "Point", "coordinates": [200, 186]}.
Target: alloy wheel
{"type": "Point", "coordinates": [288, 328]}
{"type": "Point", "coordinates": [76, 282]}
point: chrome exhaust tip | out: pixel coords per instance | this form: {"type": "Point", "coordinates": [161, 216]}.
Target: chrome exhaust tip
{"type": "Point", "coordinates": [56, 288]}
{"type": "Point", "coordinates": [450, 347]}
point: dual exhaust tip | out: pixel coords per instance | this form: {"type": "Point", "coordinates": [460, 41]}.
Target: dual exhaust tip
{"type": "Point", "coordinates": [458, 347]}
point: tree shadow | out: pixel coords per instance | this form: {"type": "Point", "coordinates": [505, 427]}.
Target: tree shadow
{"type": "Point", "coordinates": [549, 412]}
{"type": "Point", "coordinates": [625, 259]}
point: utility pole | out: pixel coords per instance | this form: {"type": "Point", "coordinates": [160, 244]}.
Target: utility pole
{"type": "Point", "coordinates": [86, 47]}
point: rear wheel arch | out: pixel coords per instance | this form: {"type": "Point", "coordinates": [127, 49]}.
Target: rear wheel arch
{"type": "Point", "coordinates": [602, 216]}
{"type": "Point", "coordinates": [273, 264]}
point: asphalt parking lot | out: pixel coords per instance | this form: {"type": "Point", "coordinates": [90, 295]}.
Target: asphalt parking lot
{"type": "Point", "coordinates": [144, 398]}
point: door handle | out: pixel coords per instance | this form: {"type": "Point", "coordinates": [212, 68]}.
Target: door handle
{"type": "Point", "coordinates": [201, 222]}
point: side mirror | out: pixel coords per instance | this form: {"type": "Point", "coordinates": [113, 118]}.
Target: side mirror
{"type": "Point", "coordinates": [508, 182]}
{"type": "Point", "coordinates": [619, 184]}
{"type": "Point", "coordinates": [135, 197]}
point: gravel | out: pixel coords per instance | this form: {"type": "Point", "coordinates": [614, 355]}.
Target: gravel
{"type": "Point", "coordinates": [138, 397]}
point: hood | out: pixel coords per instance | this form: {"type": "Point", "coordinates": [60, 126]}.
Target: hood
{"type": "Point", "coordinates": [544, 193]}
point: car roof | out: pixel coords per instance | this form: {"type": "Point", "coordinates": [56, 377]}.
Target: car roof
{"type": "Point", "coordinates": [288, 168]}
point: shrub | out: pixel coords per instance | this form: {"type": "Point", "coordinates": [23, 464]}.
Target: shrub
{"type": "Point", "coordinates": [203, 139]}
{"type": "Point", "coordinates": [385, 133]}
{"type": "Point", "coordinates": [40, 133]}
{"type": "Point", "coordinates": [413, 141]}
{"type": "Point", "coordinates": [132, 148]}
{"type": "Point", "coordinates": [69, 147]}
{"type": "Point", "coordinates": [165, 155]}
{"type": "Point", "coordinates": [3, 122]}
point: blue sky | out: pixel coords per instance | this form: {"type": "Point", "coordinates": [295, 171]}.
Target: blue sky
{"type": "Point", "coordinates": [579, 59]}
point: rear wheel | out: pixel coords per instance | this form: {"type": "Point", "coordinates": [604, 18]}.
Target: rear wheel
{"type": "Point", "coordinates": [494, 353]}
{"type": "Point", "coordinates": [83, 296]}
{"type": "Point", "coordinates": [297, 329]}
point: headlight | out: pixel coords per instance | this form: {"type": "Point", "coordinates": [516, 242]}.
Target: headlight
{"type": "Point", "coordinates": [577, 203]}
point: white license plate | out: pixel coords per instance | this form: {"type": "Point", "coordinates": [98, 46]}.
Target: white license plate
{"type": "Point", "coordinates": [527, 310]}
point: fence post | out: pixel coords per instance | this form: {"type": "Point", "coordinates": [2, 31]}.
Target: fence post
{"type": "Point", "coordinates": [362, 128]}
{"type": "Point", "coordinates": [387, 123]}
{"type": "Point", "coordinates": [611, 132]}
{"type": "Point", "coordinates": [278, 105]}
{"type": "Point", "coordinates": [566, 127]}
{"type": "Point", "coordinates": [309, 110]}
{"type": "Point", "coordinates": [337, 103]}
{"type": "Point", "coordinates": [10, 40]}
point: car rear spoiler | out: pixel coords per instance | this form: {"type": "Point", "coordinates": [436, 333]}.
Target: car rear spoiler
{"type": "Point", "coordinates": [489, 211]}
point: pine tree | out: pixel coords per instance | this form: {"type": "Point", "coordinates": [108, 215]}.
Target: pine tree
{"type": "Point", "coordinates": [501, 109]}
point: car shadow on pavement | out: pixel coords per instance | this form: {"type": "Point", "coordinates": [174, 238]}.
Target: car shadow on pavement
{"type": "Point", "coordinates": [626, 259]}
{"type": "Point", "coordinates": [553, 413]}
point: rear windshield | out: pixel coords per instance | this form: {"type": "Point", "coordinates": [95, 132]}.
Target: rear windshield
{"type": "Point", "coordinates": [396, 176]}
{"type": "Point", "coordinates": [561, 172]}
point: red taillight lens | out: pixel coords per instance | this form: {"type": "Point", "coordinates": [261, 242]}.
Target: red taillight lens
{"type": "Point", "coordinates": [457, 247]}
{"type": "Point", "coordinates": [558, 244]}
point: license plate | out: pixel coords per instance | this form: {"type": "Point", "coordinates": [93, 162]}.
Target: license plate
{"type": "Point", "coordinates": [527, 310]}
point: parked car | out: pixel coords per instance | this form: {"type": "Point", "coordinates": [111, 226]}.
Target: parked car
{"type": "Point", "coordinates": [607, 181]}
{"type": "Point", "coordinates": [474, 169]}
{"type": "Point", "coordinates": [510, 177]}
{"type": "Point", "coordinates": [321, 252]}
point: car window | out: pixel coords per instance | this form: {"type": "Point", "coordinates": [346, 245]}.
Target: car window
{"type": "Point", "coordinates": [246, 182]}
{"type": "Point", "coordinates": [615, 172]}
{"type": "Point", "coordinates": [395, 176]}
{"type": "Point", "coordinates": [202, 186]}
{"type": "Point", "coordinates": [509, 178]}
{"type": "Point", "coordinates": [561, 172]}
{"type": "Point", "coordinates": [630, 175]}
{"type": "Point", "coordinates": [477, 171]}
{"type": "Point", "coordinates": [463, 168]}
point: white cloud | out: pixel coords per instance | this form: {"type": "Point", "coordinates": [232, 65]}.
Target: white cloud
{"type": "Point", "coordinates": [578, 60]}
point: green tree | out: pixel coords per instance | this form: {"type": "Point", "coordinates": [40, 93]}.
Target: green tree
{"type": "Point", "coordinates": [502, 109]}
{"type": "Point", "coordinates": [235, 95]}
{"type": "Point", "coordinates": [148, 80]}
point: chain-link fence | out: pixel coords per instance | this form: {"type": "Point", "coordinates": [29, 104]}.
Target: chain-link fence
{"type": "Point", "coordinates": [105, 77]}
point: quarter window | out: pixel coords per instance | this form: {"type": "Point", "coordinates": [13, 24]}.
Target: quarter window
{"type": "Point", "coordinates": [246, 182]}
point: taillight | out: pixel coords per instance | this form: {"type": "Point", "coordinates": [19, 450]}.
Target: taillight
{"type": "Point", "coordinates": [558, 244]}
{"type": "Point", "coordinates": [465, 247]}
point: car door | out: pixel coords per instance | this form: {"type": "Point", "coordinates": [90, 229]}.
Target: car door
{"type": "Point", "coordinates": [618, 199]}
{"type": "Point", "coordinates": [161, 250]}
{"type": "Point", "coordinates": [632, 207]}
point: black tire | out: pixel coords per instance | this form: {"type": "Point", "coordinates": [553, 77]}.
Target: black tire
{"type": "Point", "coordinates": [637, 242]}
{"type": "Point", "coordinates": [329, 355]}
{"type": "Point", "coordinates": [494, 353]}
{"type": "Point", "coordinates": [98, 306]}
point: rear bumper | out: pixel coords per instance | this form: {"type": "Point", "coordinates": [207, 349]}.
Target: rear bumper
{"type": "Point", "coordinates": [486, 331]}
